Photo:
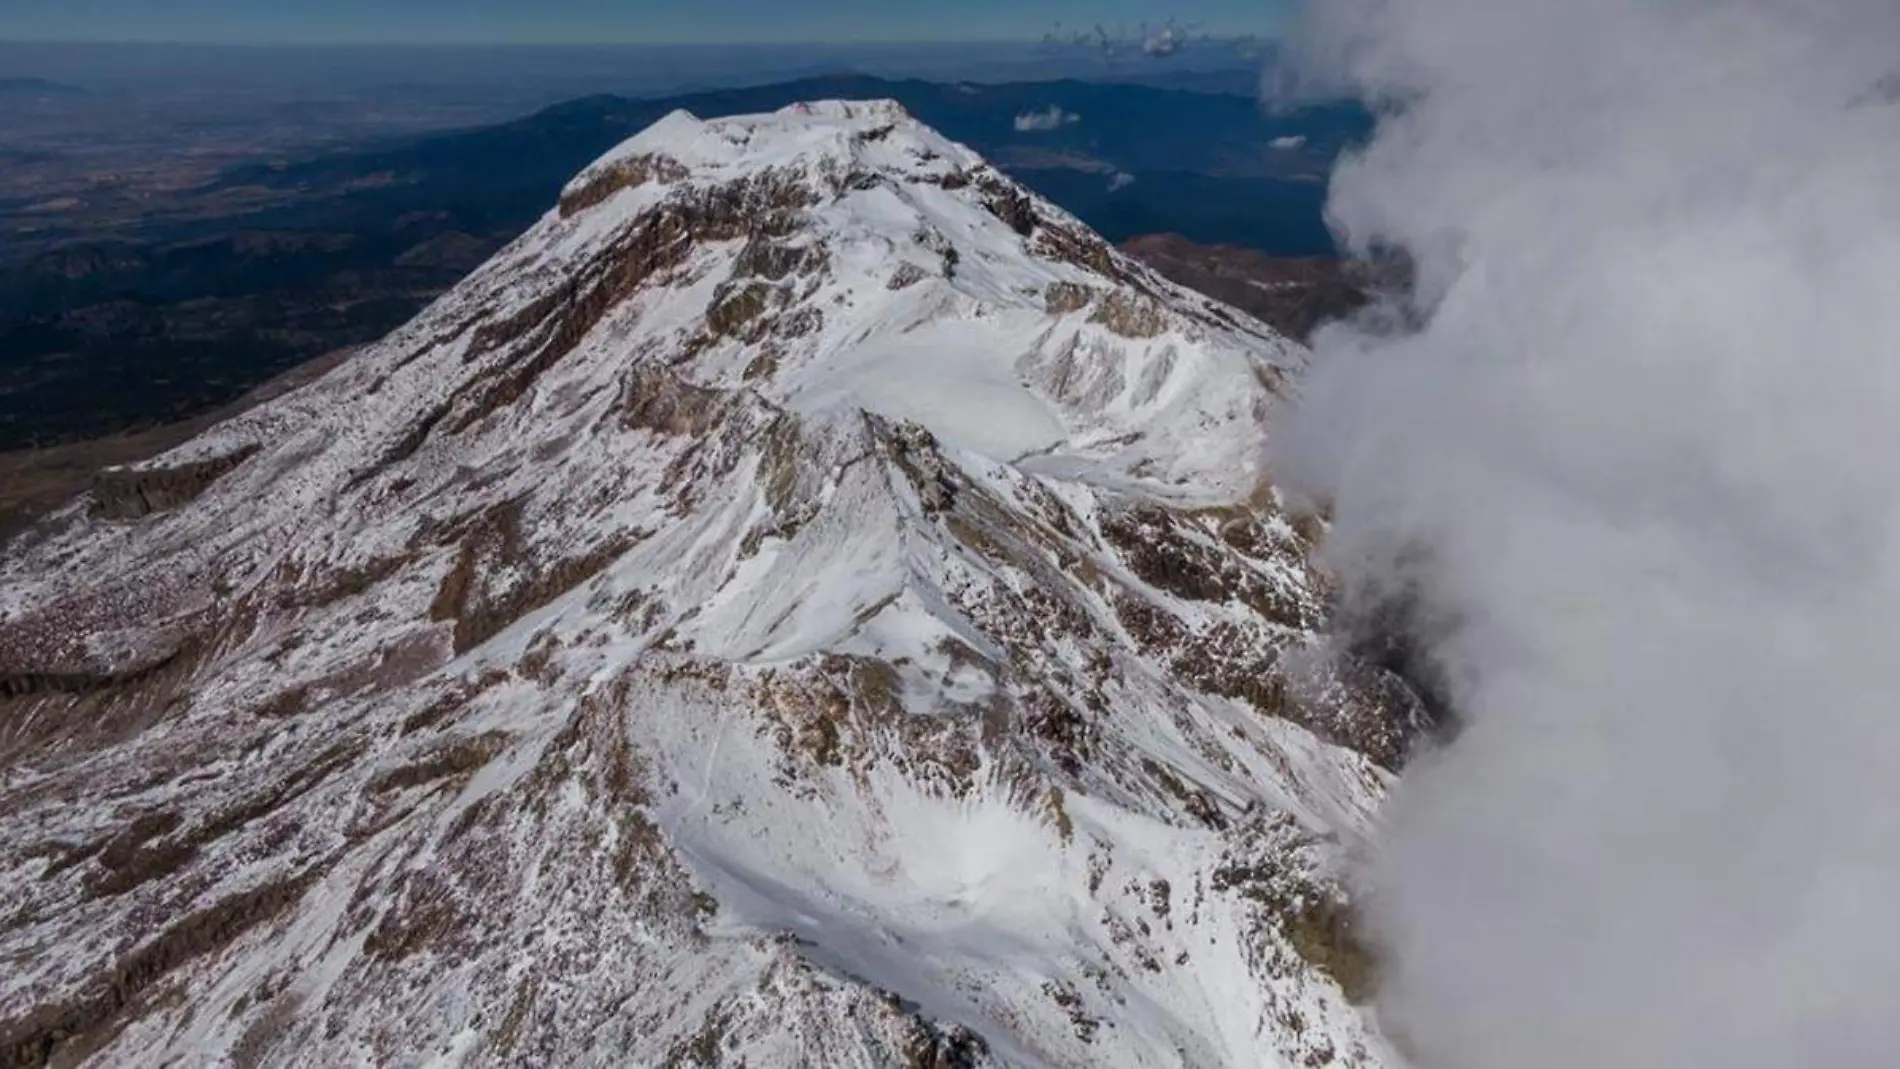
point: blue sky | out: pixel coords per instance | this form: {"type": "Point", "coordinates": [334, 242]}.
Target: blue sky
{"type": "Point", "coordinates": [571, 21]}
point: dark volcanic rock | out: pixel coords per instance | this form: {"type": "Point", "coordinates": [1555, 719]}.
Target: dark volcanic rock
{"type": "Point", "coordinates": [129, 493]}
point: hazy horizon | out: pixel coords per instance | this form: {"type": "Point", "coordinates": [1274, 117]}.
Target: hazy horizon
{"type": "Point", "coordinates": [581, 23]}
{"type": "Point", "coordinates": [516, 77]}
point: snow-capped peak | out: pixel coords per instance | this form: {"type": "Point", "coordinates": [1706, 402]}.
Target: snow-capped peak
{"type": "Point", "coordinates": [837, 128]}
{"type": "Point", "coordinates": [958, 299]}
{"type": "Point", "coordinates": [807, 601]}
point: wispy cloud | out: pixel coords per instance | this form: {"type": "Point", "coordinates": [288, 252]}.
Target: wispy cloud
{"type": "Point", "coordinates": [1165, 41]}
{"type": "Point", "coordinates": [1049, 118]}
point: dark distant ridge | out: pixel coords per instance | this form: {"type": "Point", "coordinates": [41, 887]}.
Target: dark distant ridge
{"type": "Point", "coordinates": [38, 86]}
{"type": "Point", "coordinates": [1195, 163]}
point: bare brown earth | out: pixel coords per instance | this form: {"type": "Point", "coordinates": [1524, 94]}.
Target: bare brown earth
{"type": "Point", "coordinates": [34, 482]}
{"type": "Point", "coordinates": [1294, 295]}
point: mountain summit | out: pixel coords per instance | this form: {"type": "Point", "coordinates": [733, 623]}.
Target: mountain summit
{"type": "Point", "coordinates": [806, 602]}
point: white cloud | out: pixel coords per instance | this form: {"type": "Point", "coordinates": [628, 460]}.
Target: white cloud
{"type": "Point", "coordinates": [1163, 42]}
{"type": "Point", "coordinates": [1637, 470]}
{"type": "Point", "coordinates": [1049, 118]}
{"type": "Point", "coordinates": [1292, 143]}
{"type": "Point", "coordinates": [1120, 180]}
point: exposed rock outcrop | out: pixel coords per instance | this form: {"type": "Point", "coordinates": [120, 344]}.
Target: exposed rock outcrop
{"type": "Point", "coordinates": [130, 493]}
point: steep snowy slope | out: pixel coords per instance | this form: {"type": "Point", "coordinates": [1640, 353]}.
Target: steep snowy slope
{"type": "Point", "coordinates": [807, 602]}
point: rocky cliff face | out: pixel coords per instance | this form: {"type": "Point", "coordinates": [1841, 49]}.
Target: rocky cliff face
{"type": "Point", "coordinates": [807, 602]}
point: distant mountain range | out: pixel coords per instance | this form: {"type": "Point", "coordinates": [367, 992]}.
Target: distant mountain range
{"type": "Point", "coordinates": [1128, 159]}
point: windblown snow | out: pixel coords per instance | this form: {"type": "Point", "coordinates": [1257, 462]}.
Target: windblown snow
{"type": "Point", "coordinates": [807, 602]}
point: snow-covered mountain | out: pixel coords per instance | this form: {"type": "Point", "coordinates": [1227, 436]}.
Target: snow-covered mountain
{"type": "Point", "coordinates": [807, 602]}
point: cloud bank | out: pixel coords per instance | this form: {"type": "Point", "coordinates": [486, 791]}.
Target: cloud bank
{"type": "Point", "coordinates": [1049, 118]}
{"type": "Point", "coordinates": [1636, 476]}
